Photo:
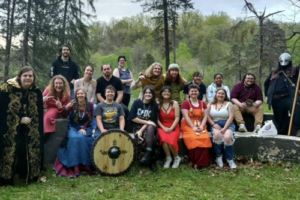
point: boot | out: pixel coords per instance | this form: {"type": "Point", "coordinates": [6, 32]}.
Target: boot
{"type": "Point", "coordinates": [146, 157]}
{"type": "Point", "coordinates": [152, 166]}
{"type": "Point", "coordinates": [298, 133]}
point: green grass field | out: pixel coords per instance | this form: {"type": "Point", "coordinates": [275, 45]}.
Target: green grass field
{"type": "Point", "coordinates": [251, 181]}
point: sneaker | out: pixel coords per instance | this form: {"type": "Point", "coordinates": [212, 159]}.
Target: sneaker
{"type": "Point", "coordinates": [168, 162]}
{"type": "Point", "coordinates": [231, 163]}
{"type": "Point", "coordinates": [242, 128]}
{"type": "Point", "coordinates": [176, 162]}
{"type": "Point", "coordinates": [257, 128]}
{"type": "Point", "coordinates": [219, 161]}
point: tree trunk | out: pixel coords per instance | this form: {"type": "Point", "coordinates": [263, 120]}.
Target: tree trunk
{"type": "Point", "coordinates": [36, 32]}
{"type": "Point", "coordinates": [10, 27]}
{"type": "Point", "coordinates": [174, 39]}
{"type": "Point", "coordinates": [26, 34]}
{"type": "Point", "coordinates": [64, 23]}
{"type": "Point", "coordinates": [260, 51]}
{"type": "Point", "coordinates": [166, 30]}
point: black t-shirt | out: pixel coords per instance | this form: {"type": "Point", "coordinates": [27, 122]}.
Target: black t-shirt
{"type": "Point", "coordinates": [202, 87]}
{"type": "Point", "coordinates": [143, 111]}
{"type": "Point", "coordinates": [102, 84]}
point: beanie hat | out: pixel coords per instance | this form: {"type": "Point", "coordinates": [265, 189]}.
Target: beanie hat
{"type": "Point", "coordinates": [173, 66]}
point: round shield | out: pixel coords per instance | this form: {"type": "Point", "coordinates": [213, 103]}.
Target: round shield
{"type": "Point", "coordinates": [113, 153]}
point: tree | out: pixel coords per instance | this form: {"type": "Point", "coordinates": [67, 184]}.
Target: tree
{"type": "Point", "coordinates": [261, 19]}
{"type": "Point", "coordinates": [7, 24]}
{"type": "Point", "coordinates": [162, 7]}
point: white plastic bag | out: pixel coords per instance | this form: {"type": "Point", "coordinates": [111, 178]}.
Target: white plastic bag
{"type": "Point", "coordinates": [268, 129]}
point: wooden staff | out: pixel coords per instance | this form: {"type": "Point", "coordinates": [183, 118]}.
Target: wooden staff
{"type": "Point", "coordinates": [294, 106]}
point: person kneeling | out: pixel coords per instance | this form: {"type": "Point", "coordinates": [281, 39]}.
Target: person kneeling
{"type": "Point", "coordinates": [143, 114]}
{"type": "Point", "coordinates": [109, 114]}
{"type": "Point", "coordinates": [221, 114]}
{"type": "Point", "coordinates": [75, 158]}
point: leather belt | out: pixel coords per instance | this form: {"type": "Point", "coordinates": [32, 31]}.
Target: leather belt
{"type": "Point", "coordinates": [281, 96]}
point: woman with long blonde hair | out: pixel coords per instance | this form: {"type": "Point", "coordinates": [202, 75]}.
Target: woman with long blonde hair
{"type": "Point", "coordinates": [55, 96]}
{"type": "Point", "coordinates": [153, 76]}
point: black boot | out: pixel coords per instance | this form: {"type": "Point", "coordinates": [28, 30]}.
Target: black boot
{"type": "Point", "coordinates": [152, 166]}
{"type": "Point", "coordinates": [145, 159]}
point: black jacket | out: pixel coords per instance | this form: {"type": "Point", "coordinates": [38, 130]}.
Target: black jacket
{"type": "Point", "coordinates": [69, 70]}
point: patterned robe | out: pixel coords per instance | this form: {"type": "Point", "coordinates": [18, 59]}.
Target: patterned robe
{"type": "Point", "coordinates": [21, 146]}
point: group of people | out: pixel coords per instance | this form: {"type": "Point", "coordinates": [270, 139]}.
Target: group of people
{"type": "Point", "coordinates": [158, 116]}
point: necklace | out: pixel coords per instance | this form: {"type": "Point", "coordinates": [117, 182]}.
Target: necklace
{"type": "Point", "coordinates": [218, 109]}
{"type": "Point", "coordinates": [146, 112]}
{"type": "Point", "coordinates": [166, 110]}
{"type": "Point", "coordinates": [247, 89]}
{"type": "Point", "coordinates": [88, 86]}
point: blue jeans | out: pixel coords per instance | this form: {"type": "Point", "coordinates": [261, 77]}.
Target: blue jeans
{"type": "Point", "coordinates": [218, 146]}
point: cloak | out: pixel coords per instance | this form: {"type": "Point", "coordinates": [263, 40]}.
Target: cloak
{"type": "Point", "coordinates": [21, 146]}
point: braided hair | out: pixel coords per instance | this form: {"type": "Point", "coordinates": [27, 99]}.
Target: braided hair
{"type": "Point", "coordinates": [77, 106]}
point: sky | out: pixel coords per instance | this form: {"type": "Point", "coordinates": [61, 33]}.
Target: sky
{"type": "Point", "coordinates": [117, 9]}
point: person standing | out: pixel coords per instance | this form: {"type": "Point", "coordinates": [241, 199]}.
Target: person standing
{"type": "Point", "coordinates": [247, 97]}
{"type": "Point", "coordinates": [106, 80]}
{"type": "Point", "coordinates": [126, 78]}
{"type": "Point", "coordinates": [174, 80]}
{"type": "Point", "coordinates": [21, 125]}
{"type": "Point", "coordinates": [280, 91]}
{"type": "Point", "coordinates": [197, 80]}
{"type": "Point", "coordinates": [212, 88]}
{"type": "Point", "coordinates": [66, 67]}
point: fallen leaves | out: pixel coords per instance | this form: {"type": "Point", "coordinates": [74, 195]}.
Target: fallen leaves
{"type": "Point", "coordinates": [251, 195]}
{"type": "Point", "coordinates": [43, 179]}
{"type": "Point", "coordinates": [100, 191]}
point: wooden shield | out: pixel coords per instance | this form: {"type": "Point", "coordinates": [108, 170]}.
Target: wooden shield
{"type": "Point", "coordinates": [113, 153]}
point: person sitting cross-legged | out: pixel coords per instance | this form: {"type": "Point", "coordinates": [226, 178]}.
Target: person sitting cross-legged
{"type": "Point", "coordinates": [247, 97]}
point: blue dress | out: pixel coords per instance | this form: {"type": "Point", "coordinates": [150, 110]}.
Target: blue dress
{"type": "Point", "coordinates": [78, 150]}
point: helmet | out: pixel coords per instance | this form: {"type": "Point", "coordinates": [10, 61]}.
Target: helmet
{"type": "Point", "coordinates": [285, 59]}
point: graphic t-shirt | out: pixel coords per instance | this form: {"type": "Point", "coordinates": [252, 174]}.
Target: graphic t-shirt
{"type": "Point", "coordinates": [110, 114]}
{"type": "Point", "coordinates": [143, 111]}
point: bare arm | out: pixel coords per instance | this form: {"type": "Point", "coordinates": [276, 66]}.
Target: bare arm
{"type": "Point", "coordinates": [116, 73]}
{"type": "Point", "coordinates": [230, 109]}
{"type": "Point", "coordinates": [144, 122]}
{"type": "Point", "coordinates": [122, 122]}
{"type": "Point", "coordinates": [209, 120]}
{"type": "Point", "coordinates": [99, 97]}
{"type": "Point", "coordinates": [204, 120]}
{"type": "Point", "coordinates": [120, 97]}
{"type": "Point", "coordinates": [204, 98]}
{"type": "Point", "coordinates": [100, 124]}
{"type": "Point", "coordinates": [258, 103]}
{"type": "Point", "coordinates": [186, 117]}
{"type": "Point", "coordinates": [237, 102]}
{"type": "Point", "coordinates": [94, 82]}
{"type": "Point", "coordinates": [177, 115]}
{"type": "Point", "coordinates": [186, 97]}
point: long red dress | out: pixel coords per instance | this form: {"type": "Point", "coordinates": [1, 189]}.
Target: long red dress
{"type": "Point", "coordinates": [52, 112]}
{"type": "Point", "coordinates": [167, 121]}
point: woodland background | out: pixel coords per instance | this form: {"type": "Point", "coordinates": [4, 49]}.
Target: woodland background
{"type": "Point", "coordinates": [169, 31]}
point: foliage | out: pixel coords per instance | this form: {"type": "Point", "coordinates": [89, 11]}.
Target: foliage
{"type": "Point", "coordinates": [249, 181]}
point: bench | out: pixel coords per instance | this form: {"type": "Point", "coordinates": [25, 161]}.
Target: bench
{"type": "Point", "coordinates": [272, 148]}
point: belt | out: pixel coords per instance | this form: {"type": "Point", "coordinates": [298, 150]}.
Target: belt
{"type": "Point", "coordinates": [281, 96]}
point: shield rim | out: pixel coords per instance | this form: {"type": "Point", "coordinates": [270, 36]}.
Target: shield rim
{"type": "Point", "coordinates": [99, 138]}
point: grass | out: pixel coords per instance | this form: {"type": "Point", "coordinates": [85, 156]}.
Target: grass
{"type": "Point", "coordinates": [248, 182]}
